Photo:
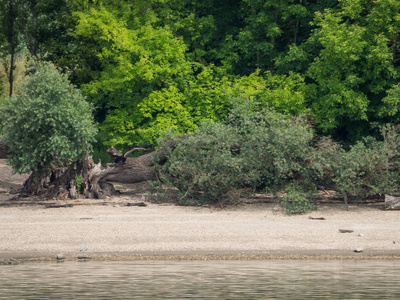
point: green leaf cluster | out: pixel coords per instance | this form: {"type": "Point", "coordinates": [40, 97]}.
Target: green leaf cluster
{"type": "Point", "coordinates": [297, 201]}
{"type": "Point", "coordinates": [356, 65]}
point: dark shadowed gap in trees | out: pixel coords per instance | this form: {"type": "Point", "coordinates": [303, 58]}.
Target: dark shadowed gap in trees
{"type": "Point", "coordinates": [11, 39]}
{"type": "Point", "coordinates": [31, 38]}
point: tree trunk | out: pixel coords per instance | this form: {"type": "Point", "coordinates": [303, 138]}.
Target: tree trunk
{"type": "Point", "coordinates": [133, 170]}
{"type": "Point", "coordinates": [30, 33]}
{"type": "Point", "coordinates": [12, 45]}
{"type": "Point", "coordinates": [3, 149]}
{"type": "Point", "coordinates": [35, 184]}
{"type": "Point", "coordinates": [296, 31]}
{"type": "Point", "coordinates": [92, 180]}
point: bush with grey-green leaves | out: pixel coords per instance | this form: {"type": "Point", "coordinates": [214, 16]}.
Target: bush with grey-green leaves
{"type": "Point", "coordinates": [48, 123]}
{"type": "Point", "coordinates": [254, 149]}
{"type": "Point", "coordinates": [257, 149]}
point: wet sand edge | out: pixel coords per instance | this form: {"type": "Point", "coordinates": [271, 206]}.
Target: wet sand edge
{"type": "Point", "coordinates": [11, 258]}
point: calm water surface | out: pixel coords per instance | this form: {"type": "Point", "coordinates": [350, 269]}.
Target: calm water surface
{"type": "Point", "coordinates": [202, 280]}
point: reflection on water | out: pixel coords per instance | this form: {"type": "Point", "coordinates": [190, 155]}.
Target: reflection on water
{"type": "Point", "coordinates": [202, 280]}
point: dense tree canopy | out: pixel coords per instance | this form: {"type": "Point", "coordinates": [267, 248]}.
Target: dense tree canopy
{"type": "Point", "coordinates": [148, 66]}
{"type": "Point", "coordinates": [357, 64]}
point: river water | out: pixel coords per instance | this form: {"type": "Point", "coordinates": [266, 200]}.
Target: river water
{"type": "Point", "coordinates": [269, 279]}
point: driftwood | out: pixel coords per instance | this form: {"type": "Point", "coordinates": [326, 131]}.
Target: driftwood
{"type": "Point", "coordinates": [392, 202]}
{"type": "Point", "coordinates": [316, 218]}
{"type": "Point", "coordinates": [345, 230]}
{"type": "Point", "coordinates": [132, 170]}
{"type": "Point", "coordinates": [93, 180]}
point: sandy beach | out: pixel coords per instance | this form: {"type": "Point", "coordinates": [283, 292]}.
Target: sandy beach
{"type": "Point", "coordinates": [114, 229]}
{"type": "Point", "coordinates": [157, 231]}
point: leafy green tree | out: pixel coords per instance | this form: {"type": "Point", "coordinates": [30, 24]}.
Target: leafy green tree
{"type": "Point", "coordinates": [48, 124]}
{"type": "Point", "coordinates": [153, 65]}
{"type": "Point", "coordinates": [147, 85]}
{"type": "Point", "coordinates": [138, 62]}
{"type": "Point", "coordinates": [9, 13]}
{"type": "Point", "coordinates": [267, 30]}
{"type": "Point", "coordinates": [45, 25]}
{"type": "Point", "coordinates": [356, 66]}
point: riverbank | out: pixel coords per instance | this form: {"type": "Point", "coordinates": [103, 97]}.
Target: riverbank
{"type": "Point", "coordinates": [129, 228]}
{"type": "Point", "coordinates": [164, 232]}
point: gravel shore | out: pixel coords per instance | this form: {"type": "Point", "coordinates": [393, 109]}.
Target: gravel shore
{"type": "Point", "coordinates": [106, 230]}
{"type": "Point", "coordinates": [168, 232]}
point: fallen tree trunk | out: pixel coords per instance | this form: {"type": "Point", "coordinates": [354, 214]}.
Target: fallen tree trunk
{"type": "Point", "coordinates": [94, 181]}
{"type": "Point", "coordinates": [133, 170]}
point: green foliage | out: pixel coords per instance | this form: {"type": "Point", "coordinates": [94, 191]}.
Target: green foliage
{"type": "Point", "coordinates": [258, 149]}
{"type": "Point", "coordinates": [296, 201]}
{"type": "Point", "coordinates": [356, 65]}
{"type": "Point", "coordinates": [2, 82]}
{"type": "Point", "coordinates": [255, 148]}
{"type": "Point", "coordinates": [79, 181]}
{"type": "Point", "coordinates": [391, 103]}
{"type": "Point", "coordinates": [151, 86]}
{"type": "Point", "coordinates": [202, 97]}
{"type": "Point", "coordinates": [149, 83]}
{"type": "Point", "coordinates": [274, 146]}
{"type": "Point", "coordinates": [369, 167]}
{"type": "Point", "coordinates": [203, 167]}
{"type": "Point", "coordinates": [48, 123]}
{"type": "Point", "coordinates": [282, 93]}
{"type": "Point", "coordinates": [150, 66]}
{"type": "Point", "coordinates": [264, 26]}
{"type": "Point", "coordinates": [33, 25]}
{"type": "Point", "coordinates": [99, 150]}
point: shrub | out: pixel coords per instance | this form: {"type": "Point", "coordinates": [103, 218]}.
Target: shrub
{"type": "Point", "coordinates": [79, 180]}
{"type": "Point", "coordinates": [205, 167]}
{"type": "Point", "coordinates": [368, 168]}
{"type": "Point", "coordinates": [297, 201]}
{"type": "Point", "coordinates": [258, 149]}
{"type": "Point", "coordinates": [48, 123]}
{"type": "Point", "coordinates": [255, 148]}
{"type": "Point", "coordinates": [274, 147]}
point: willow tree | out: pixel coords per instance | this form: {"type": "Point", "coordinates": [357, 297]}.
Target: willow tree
{"type": "Point", "coordinates": [47, 126]}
